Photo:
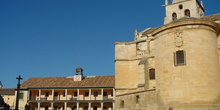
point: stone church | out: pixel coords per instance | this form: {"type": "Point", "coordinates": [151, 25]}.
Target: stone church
{"type": "Point", "coordinates": [175, 66]}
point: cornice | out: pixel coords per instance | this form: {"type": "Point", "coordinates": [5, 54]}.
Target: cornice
{"type": "Point", "coordinates": [185, 22]}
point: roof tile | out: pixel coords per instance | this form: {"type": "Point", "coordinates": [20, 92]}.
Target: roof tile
{"type": "Point", "coordinates": [7, 91]}
{"type": "Point", "coordinates": [44, 82]}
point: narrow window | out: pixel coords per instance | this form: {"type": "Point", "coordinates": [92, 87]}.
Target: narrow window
{"type": "Point", "coordinates": [46, 94]}
{"type": "Point", "coordinates": [112, 94]}
{"type": "Point", "coordinates": [21, 95]}
{"type": "Point", "coordinates": [55, 96]}
{"type": "Point", "coordinates": [75, 94]}
{"type": "Point", "coordinates": [179, 58]}
{"type": "Point", "coordinates": [105, 96]}
{"type": "Point", "coordinates": [174, 16]}
{"type": "Point", "coordinates": [86, 94]}
{"type": "Point", "coordinates": [64, 94]}
{"type": "Point", "coordinates": [95, 94]}
{"type": "Point", "coordinates": [104, 93]}
{"type": "Point", "coordinates": [122, 104]}
{"type": "Point", "coordinates": [187, 13]}
{"type": "Point", "coordinates": [137, 99]}
{"type": "Point", "coordinates": [152, 74]}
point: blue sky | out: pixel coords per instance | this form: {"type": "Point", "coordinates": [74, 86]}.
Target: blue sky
{"type": "Point", "coordinates": [49, 38]}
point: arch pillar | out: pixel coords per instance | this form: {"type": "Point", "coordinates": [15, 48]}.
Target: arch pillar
{"type": "Point", "coordinates": [77, 106]}
{"type": "Point", "coordinates": [38, 106]}
{"type": "Point", "coordinates": [65, 105]}
{"type": "Point", "coordinates": [89, 105]}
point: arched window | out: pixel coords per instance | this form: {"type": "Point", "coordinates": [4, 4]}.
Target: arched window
{"type": "Point", "coordinates": [174, 16]}
{"type": "Point", "coordinates": [187, 12]}
{"type": "Point", "coordinates": [152, 74]}
{"type": "Point", "coordinates": [180, 6]}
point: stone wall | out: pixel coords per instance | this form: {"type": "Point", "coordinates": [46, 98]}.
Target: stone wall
{"type": "Point", "coordinates": [141, 100]}
{"type": "Point", "coordinates": [196, 83]}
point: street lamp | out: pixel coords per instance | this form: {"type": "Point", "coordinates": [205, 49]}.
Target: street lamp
{"type": "Point", "coordinates": [1, 85]}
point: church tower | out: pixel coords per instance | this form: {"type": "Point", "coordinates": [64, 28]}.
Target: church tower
{"type": "Point", "coordinates": [186, 59]}
{"type": "Point", "coordinates": [171, 67]}
{"type": "Point", "coordinates": [183, 8]}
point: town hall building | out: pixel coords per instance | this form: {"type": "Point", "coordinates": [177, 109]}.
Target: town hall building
{"type": "Point", "coordinates": [77, 92]}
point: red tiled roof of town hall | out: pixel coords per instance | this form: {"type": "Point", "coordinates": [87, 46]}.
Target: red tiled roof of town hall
{"type": "Point", "coordinates": [44, 82]}
{"type": "Point", "coordinates": [7, 91]}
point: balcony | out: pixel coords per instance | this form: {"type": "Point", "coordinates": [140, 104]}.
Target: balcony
{"type": "Point", "coordinates": [69, 95]}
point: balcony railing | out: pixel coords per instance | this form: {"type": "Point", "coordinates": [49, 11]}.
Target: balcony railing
{"type": "Point", "coordinates": [44, 98]}
{"type": "Point", "coordinates": [71, 98]}
{"type": "Point", "coordinates": [71, 95]}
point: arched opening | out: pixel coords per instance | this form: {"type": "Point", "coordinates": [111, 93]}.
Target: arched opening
{"type": "Point", "coordinates": [174, 16]}
{"type": "Point", "coordinates": [180, 6]}
{"type": "Point", "coordinates": [74, 108]}
{"type": "Point", "coordinates": [187, 13]}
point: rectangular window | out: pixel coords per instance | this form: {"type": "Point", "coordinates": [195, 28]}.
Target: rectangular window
{"type": "Point", "coordinates": [64, 94]}
{"type": "Point", "coordinates": [21, 95]}
{"type": "Point", "coordinates": [95, 94]}
{"type": "Point", "coordinates": [152, 73]}
{"type": "Point", "coordinates": [46, 94]}
{"type": "Point", "coordinates": [122, 104]}
{"type": "Point", "coordinates": [137, 99]}
{"type": "Point", "coordinates": [86, 94]}
{"type": "Point", "coordinates": [104, 93]}
{"type": "Point", "coordinates": [55, 96]}
{"type": "Point", "coordinates": [179, 58]}
{"type": "Point", "coordinates": [75, 94]}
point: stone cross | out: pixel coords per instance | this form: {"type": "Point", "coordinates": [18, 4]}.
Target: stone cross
{"type": "Point", "coordinates": [18, 91]}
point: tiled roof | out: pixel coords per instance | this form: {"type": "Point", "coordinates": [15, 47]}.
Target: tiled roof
{"type": "Point", "coordinates": [48, 82]}
{"type": "Point", "coordinates": [7, 91]}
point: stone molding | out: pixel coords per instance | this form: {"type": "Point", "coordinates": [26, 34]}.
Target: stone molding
{"type": "Point", "coordinates": [186, 22]}
{"type": "Point", "coordinates": [136, 92]}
